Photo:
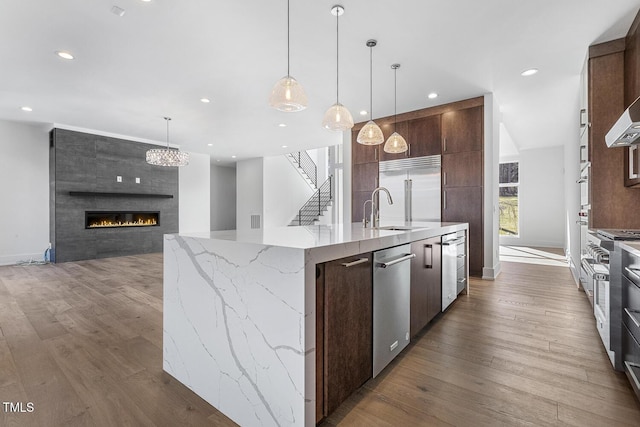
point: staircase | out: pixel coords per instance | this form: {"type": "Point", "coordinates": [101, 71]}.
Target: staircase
{"type": "Point", "coordinates": [306, 167]}
{"type": "Point", "coordinates": [316, 205]}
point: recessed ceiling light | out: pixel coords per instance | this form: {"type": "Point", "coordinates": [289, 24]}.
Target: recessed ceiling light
{"type": "Point", "coordinates": [205, 100]}
{"type": "Point", "coordinates": [233, 157]}
{"type": "Point", "coordinates": [364, 112]}
{"type": "Point", "coordinates": [64, 55]}
{"type": "Point", "coordinates": [25, 108]}
{"type": "Point", "coordinates": [432, 95]}
{"type": "Point", "coordinates": [529, 72]}
{"type": "Point", "coordinates": [284, 146]}
{"type": "Point", "coordinates": [210, 145]}
{"type": "Point", "coordinates": [146, 1]}
{"type": "Point", "coordinates": [282, 125]}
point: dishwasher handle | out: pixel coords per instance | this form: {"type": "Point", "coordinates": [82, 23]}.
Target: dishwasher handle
{"type": "Point", "coordinates": [396, 261]}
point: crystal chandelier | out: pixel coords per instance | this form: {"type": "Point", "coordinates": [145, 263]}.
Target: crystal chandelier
{"type": "Point", "coordinates": [287, 94]}
{"type": "Point", "coordinates": [167, 156]}
{"type": "Point", "coordinates": [337, 117]}
{"type": "Point", "coordinates": [396, 143]}
{"type": "Point", "coordinates": [370, 134]}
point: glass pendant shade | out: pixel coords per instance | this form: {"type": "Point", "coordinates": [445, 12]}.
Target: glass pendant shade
{"type": "Point", "coordinates": [287, 95]}
{"type": "Point", "coordinates": [395, 144]}
{"type": "Point", "coordinates": [337, 118]}
{"type": "Point", "coordinates": [370, 134]}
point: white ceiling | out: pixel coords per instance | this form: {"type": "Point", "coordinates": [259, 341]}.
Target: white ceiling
{"type": "Point", "coordinates": [161, 57]}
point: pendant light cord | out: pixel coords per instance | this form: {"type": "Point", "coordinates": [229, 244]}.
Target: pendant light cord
{"type": "Point", "coordinates": [167, 119]}
{"type": "Point", "coordinates": [288, 48]}
{"type": "Point", "coordinates": [371, 81]}
{"type": "Point", "coordinates": [337, 55]}
{"type": "Point", "coordinates": [395, 98]}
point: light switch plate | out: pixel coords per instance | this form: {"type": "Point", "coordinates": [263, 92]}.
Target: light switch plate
{"type": "Point", "coordinates": [137, 180]}
{"type": "Point", "coordinates": [118, 178]}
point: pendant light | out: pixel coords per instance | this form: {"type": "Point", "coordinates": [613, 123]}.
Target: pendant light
{"type": "Point", "coordinates": [396, 143]}
{"type": "Point", "coordinates": [337, 117]}
{"type": "Point", "coordinates": [287, 94]}
{"type": "Point", "coordinates": [370, 134]}
{"type": "Point", "coordinates": [167, 156]}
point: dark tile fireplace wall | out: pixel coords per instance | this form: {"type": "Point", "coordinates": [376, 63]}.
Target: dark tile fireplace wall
{"type": "Point", "coordinates": [83, 171]}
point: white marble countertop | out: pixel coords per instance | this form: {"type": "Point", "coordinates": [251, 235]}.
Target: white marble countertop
{"type": "Point", "coordinates": [321, 236]}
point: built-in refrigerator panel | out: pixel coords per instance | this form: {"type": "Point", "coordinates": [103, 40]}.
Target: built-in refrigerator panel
{"type": "Point", "coordinates": [415, 186]}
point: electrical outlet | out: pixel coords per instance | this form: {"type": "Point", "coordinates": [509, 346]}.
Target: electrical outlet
{"type": "Point", "coordinates": [137, 180]}
{"type": "Point", "coordinates": [118, 178]}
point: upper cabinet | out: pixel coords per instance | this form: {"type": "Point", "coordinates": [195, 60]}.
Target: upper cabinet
{"type": "Point", "coordinates": [462, 130]}
{"type": "Point", "coordinates": [425, 136]}
{"type": "Point", "coordinates": [363, 153]}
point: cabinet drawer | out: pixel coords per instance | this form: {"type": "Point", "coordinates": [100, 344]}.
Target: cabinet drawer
{"type": "Point", "coordinates": [631, 307]}
{"type": "Point", "coordinates": [630, 347]}
{"type": "Point", "coordinates": [631, 267]}
{"type": "Point", "coordinates": [631, 360]}
{"type": "Point", "coordinates": [630, 294]}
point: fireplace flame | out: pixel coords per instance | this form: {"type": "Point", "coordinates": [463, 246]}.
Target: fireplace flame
{"type": "Point", "coordinates": [138, 223]}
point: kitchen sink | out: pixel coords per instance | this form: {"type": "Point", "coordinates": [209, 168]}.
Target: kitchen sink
{"type": "Point", "coordinates": [399, 228]}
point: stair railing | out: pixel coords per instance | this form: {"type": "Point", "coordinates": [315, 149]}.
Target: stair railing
{"type": "Point", "coordinates": [314, 207]}
{"type": "Point", "coordinates": [306, 163]}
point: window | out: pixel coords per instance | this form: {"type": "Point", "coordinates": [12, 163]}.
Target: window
{"type": "Point", "coordinates": [508, 199]}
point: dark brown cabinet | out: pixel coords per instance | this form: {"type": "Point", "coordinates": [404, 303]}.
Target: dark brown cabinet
{"type": "Point", "coordinates": [363, 153]}
{"type": "Point", "coordinates": [462, 130]}
{"type": "Point", "coordinates": [463, 169]}
{"type": "Point", "coordinates": [464, 204]}
{"type": "Point", "coordinates": [364, 175]}
{"type": "Point", "coordinates": [425, 136]}
{"type": "Point", "coordinates": [426, 282]}
{"type": "Point", "coordinates": [347, 328]}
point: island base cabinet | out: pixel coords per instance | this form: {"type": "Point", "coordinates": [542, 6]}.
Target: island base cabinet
{"type": "Point", "coordinates": [347, 329]}
{"type": "Point", "coordinates": [426, 282]}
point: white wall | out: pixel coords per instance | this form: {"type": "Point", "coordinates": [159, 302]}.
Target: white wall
{"type": "Point", "coordinates": [285, 191]}
{"type": "Point", "coordinates": [249, 190]}
{"type": "Point", "coordinates": [491, 267]}
{"type": "Point", "coordinates": [24, 191]}
{"type": "Point", "coordinates": [194, 194]}
{"type": "Point", "coordinates": [542, 199]}
{"type": "Point", "coordinates": [223, 197]}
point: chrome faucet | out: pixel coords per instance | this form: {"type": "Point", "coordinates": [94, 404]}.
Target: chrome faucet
{"type": "Point", "coordinates": [365, 221]}
{"type": "Point", "coordinates": [375, 213]}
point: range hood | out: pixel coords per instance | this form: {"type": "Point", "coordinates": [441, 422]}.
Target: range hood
{"type": "Point", "coordinates": [626, 130]}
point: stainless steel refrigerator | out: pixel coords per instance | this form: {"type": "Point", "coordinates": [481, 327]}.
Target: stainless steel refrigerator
{"type": "Point", "coordinates": [414, 184]}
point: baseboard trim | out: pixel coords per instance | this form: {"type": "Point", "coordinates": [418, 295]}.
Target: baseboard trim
{"type": "Point", "coordinates": [14, 259]}
{"type": "Point", "coordinates": [491, 273]}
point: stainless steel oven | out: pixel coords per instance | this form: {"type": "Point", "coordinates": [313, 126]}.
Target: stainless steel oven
{"type": "Point", "coordinates": [603, 261]}
{"type": "Point", "coordinates": [595, 265]}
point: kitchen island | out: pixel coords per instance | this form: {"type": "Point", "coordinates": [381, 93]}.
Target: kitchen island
{"type": "Point", "coordinates": [239, 319]}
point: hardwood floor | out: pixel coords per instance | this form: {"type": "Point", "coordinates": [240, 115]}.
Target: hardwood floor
{"type": "Point", "coordinates": [521, 350]}
{"type": "Point", "coordinates": [83, 342]}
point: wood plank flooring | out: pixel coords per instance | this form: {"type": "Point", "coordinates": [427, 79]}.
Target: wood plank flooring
{"type": "Point", "coordinates": [83, 342]}
{"type": "Point", "coordinates": [521, 350]}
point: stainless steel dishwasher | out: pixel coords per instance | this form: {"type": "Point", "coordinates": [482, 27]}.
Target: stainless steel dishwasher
{"type": "Point", "coordinates": [391, 304]}
{"type": "Point", "coordinates": [450, 266]}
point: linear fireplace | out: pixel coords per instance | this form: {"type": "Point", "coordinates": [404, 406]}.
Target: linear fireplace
{"type": "Point", "coordinates": [121, 219]}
